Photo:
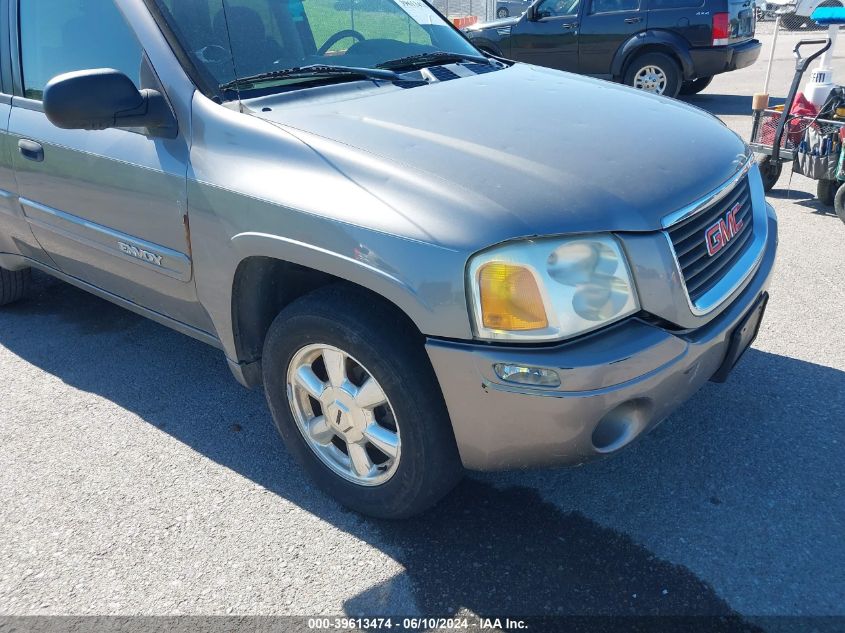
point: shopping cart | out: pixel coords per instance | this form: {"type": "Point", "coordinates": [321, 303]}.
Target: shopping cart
{"type": "Point", "coordinates": [778, 134]}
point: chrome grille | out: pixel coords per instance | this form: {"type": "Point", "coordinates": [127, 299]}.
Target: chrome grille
{"type": "Point", "coordinates": [702, 271]}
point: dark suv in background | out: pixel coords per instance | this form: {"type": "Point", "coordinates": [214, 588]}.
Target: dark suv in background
{"type": "Point", "coordinates": [662, 46]}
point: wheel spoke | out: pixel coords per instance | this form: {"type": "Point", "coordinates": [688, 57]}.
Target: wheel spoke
{"type": "Point", "coordinates": [361, 463]}
{"type": "Point", "coordinates": [383, 439]}
{"type": "Point", "coordinates": [308, 380]}
{"type": "Point", "coordinates": [341, 427]}
{"type": "Point", "coordinates": [370, 395]}
{"type": "Point", "coordinates": [320, 431]}
{"type": "Point", "coordinates": [335, 362]}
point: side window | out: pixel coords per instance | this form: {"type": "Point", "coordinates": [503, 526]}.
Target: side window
{"type": "Point", "coordinates": [201, 27]}
{"type": "Point", "coordinates": [59, 37]}
{"type": "Point", "coordinates": [615, 6]}
{"type": "Point", "coordinates": [554, 8]}
{"type": "Point", "coordinates": [252, 28]}
{"type": "Point", "coordinates": [675, 4]}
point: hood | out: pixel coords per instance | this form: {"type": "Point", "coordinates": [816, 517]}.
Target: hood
{"type": "Point", "coordinates": [517, 152]}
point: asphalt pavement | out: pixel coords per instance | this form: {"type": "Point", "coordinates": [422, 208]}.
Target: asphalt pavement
{"type": "Point", "coordinates": [136, 477]}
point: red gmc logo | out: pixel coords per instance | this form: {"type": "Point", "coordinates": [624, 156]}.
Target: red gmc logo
{"type": "Point", "coordinates": [723, 231]}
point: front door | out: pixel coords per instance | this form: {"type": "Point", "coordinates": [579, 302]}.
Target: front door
{"type": "Point", "coordinates": [108, 206]}
{"type": "Point", "coordinates": [605, 26]}
{"type": "Point", "coordinates": [550, 37]}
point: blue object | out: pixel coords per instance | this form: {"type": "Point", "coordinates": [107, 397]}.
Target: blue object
{"type": "Point", "coordinates": [829, 15]}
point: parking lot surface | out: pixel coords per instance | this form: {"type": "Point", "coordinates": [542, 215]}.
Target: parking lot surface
{"type": "Point", "coordinates": [138, 478]}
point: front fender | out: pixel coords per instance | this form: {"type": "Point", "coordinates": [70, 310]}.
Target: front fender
{"type": "Point", "coordinates": [654, 40]}
{"type": "Point", "coordinates": [285, 201]}
{"type": "Point", "coordinates": [422, 280]}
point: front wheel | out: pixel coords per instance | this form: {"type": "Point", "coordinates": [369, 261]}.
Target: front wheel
{"type": "Point", "coordinates": [695, 86]}
{"type": "Point", "coordinates": [13, 285]}
{"type": "Point", "coordinates": [502, 13]}
{"type": "Point", "coordinates": [792, 21]}
{"type": "Point", "coordinates": [839, 203]}
{"type": "Point", "coordinates": [357, 403]}
{"type": "Point", "coordinates": [770, 172]}
{"type": "Point", "coordinates": [657, 73]}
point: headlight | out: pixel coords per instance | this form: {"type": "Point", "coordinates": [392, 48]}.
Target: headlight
{"type": "Point", "coordinates": [550, 289]}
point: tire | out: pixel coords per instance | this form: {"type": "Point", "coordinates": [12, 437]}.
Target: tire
{"type": "Point", "coordinates": [427, 465]}
{"type": "Point", "coordinates": [839, 203]}
{"type": "Point", "coordinates": [667, 66]}
{"type": "Point", "coordinates": [502, 13]}
{"type": "Point", "coordinates": [695, 86]}
{"type": "Point", "coordinates": [826, 191]}
{"type": "Point", "coordinates": [770, 172]}
{"type": "Point", "coordinates": [13, 285]}
{"type": "Point", "coordinates": [792, 21]}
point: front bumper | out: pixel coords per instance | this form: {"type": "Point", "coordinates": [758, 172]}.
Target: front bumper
{"type": "Point", "coordinates": [721, 59]}
{"type": "Point", "coordinates": [616, 384]}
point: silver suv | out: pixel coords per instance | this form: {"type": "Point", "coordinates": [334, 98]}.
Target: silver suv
{"type": "Point", "coordinates": [324, 191]}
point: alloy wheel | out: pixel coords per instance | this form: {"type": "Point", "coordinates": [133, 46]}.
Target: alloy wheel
{"type": "Point", "coordinates": [651, 79]}
{"type": "Point", "coordinates": [344, 414]}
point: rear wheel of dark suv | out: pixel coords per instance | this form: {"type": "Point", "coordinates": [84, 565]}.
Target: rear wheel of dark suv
{"type": "Point", "coordinates": [695, 86]}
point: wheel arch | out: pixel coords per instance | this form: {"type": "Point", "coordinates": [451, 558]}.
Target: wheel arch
{"type": "Point", "coordinates": [653, 42]}
{"type": "Point", "coordinates": [487, 46]}
{"type": "Point", "coordinates": [263, 286]}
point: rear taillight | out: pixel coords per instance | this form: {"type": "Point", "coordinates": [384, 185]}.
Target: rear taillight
{"type": "Point", "coordinates": [721, 29]}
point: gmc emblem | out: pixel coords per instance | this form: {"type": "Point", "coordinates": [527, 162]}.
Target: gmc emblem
{"type": "Point", "coordinates": [718, 235]}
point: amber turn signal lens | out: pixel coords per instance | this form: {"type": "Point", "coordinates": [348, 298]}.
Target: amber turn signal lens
{"type": "Point", "coordinates": [510, 298]}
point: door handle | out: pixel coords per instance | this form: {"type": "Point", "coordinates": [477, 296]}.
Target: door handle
{"type": "Point", "coordinates": [633, 20]}
{"type": "Point", "coordinates": [31, 150]}
{"type": "Point", "coordinates": [569, 25]}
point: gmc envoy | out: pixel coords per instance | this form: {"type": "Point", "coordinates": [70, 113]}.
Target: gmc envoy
{"type": "Point", "coordinates": [326, 194]}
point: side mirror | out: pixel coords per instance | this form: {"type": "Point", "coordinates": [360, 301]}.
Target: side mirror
{"type": "Point", "coordinates": [105, 98]}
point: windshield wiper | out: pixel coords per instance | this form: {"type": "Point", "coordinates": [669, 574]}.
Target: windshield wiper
{"type": "Point", "coordinates": [314, 70]}
{"type": "Point", "coordinates": [430, 58]}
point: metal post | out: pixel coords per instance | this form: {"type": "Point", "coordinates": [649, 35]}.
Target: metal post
{"type": "Point", "coordinates": [772, 54]}
{"type": "Point", "coordinates": [832, 32]}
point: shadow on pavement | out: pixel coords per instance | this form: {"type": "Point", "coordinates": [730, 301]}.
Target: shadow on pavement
{"type": "Point", "coordinates": [507, 552]}
{"type": "Point", "coordinates": [724, 105]}
{"type": "Point", "coordinates": [800, 199]}
{"type": "Point", "coordinates": [492, 547]}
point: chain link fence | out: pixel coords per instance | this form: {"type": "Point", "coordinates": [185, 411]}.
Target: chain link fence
{"type": "Point", "coordinates": [484, 10]}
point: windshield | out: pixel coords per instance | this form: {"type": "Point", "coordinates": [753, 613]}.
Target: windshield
{"type": "Point", "coordinates": [228, 40]}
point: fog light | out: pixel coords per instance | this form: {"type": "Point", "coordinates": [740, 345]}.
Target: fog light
{"type": "Point", "coordinates": [522, 375]}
